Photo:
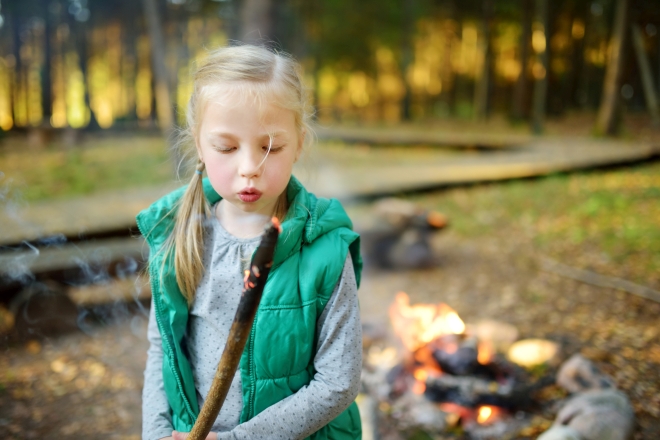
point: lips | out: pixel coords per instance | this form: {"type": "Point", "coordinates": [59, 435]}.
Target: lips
{"type": "Point", "coordinates": [249, 195]}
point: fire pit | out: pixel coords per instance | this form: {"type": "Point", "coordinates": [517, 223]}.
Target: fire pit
{"type": "Point", "coordinates": [445, 377]}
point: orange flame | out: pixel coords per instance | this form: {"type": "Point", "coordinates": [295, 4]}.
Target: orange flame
{"type": "Point", "coordinates": [420, 375]}
{"type": "Point", "coordinates": [418, 388]}
{"type": "Point", "coordinates": [484, 414]}
{"type": "Point", "coordinates": [422, 323]}
{"type": "Point", "coordinates": [277, 224]}
{"type": "Point", "coordinates": [484, 352]}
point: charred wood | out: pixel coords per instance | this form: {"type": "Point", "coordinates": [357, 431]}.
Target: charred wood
{"type": "Point", "coordinates": [471, 391]}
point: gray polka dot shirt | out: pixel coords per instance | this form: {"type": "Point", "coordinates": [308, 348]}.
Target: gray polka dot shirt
{"type": "Point", "coordinates": [338, 360]}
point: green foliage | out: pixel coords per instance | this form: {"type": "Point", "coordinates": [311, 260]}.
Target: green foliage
{"type": "Point", "coordinates": [606, 220]}
{"type": "Point", "coordinates": [107, 164]}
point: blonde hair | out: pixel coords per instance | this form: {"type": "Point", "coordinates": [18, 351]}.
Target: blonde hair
{"type": "Point", "coordinates": [266, 75]}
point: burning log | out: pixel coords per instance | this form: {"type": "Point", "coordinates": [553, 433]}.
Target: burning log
{"type": "Point", "coordinates": [471, 392]}
{"type": "Point", "coordinates": [462, 361]}
{"type": "Point", "coordinates": [255, 280]}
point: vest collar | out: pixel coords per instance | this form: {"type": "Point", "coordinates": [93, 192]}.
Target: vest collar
{"type": "Point", "coordinates": [298, 226]}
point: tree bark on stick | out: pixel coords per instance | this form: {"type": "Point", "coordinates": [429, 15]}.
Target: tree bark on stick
{"type": "Point", "coordinates": [645, 72]}
{"type": "Point", "coordinates": [606, 122]}
{"type": "Point", "coordinates": [239, 332]}
{"type": "Point", "coordinates": [540, 70]}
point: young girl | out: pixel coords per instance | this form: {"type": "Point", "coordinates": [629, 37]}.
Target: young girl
{"type": "Point", "coordinates": [300, 370]}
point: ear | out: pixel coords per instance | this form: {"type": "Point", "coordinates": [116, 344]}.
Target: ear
{"type": "Point", "coordinates": [199, 149]}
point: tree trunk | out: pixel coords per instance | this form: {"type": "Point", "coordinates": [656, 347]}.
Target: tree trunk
{"type": "Point", "coordinates": [78, 43]}
{"type": "Point", "coordinates": [406, 57]}
{"type": "Point", "coordinates": [257, 21]}
{"type": "Point", "coordinates": [577, 65]}
{"type": "Point", "coordinates": [658, 45]}
{"type": "Point", "coordinates": [606, 122]}
{"type": "Point", "coordinates": [447, 72]}
{"type": "Point", "coordinates": [520, 90]}
{"type": "Point", "coordinates": [645, 71]}
{"type": "Point", "coordinates": [539, 98]}
{"type": "Point", "coordinates": [46, 82]}
{"type": "Point", "coordinates": [164, 109]}
{"type": "Point", "coordinates": [18, 77]}
{"type": "Point", "coordinates": [482, 86]}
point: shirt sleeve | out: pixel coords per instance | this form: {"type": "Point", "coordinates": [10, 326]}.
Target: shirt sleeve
{"type": "Point", "coordinates": [156, 419]}
{"type": "Point", "coordinates": [338, 363]}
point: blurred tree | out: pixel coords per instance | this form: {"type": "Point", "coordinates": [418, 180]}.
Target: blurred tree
{"type": "Point", "coordinates": [572, 90]}
{"type": "Point", "coordinates": [607, 113]}
{"type": "Point", "coordinates": [520, 89]}
{"type": "Point", "coordinates": [46, 80]}
{"type": "Point", "coordinates": [540, 69]}
{"type": "Point", "coordinates": [164, 107]}
{"type": "Point", "coordinates": [257, 21]}
{"type": "Point", "coordinates": [78, 18]}
{"type": "Point", "coordinates": [483, 81]}
{"type": "Point", "coordinates": [407, 29]}
{"type": "Point", "coordinates": [645, 71]}
{"type": "Point", "coordinates": [17, 77]}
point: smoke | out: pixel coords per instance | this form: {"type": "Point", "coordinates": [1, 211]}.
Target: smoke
{"type": "Point", "coordinates": [41, 280]}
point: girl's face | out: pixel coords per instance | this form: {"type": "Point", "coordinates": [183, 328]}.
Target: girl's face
{"type": "Point", "coordinates": [233, 140]}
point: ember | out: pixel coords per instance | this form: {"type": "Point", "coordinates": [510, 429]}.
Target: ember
{"type": "Point", "coordinates": [484, 413]}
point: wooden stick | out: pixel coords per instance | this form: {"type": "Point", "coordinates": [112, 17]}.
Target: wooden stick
{"type": "Point", "coordinates": [255, 280]}
{"type": "Point", "coordinates": [595, 279]}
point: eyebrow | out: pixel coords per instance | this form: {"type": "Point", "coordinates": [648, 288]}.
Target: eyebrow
{"type": "Point", "coordinates": [262, 136]}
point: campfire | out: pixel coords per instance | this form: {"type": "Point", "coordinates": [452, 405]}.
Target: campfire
{"type": "Point", "coordinates": [445, 376]}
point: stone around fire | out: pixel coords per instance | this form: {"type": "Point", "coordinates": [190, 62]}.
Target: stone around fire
{"type": "Point", "coordinates": [599, 415]}
{"type": "Point", "coordinates": [580, 374]}
{"type": "Point", "coordinates": [560, 432]}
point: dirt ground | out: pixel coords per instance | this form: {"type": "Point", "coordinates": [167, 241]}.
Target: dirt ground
{"type": "Point", "coordinates": [84, 384]}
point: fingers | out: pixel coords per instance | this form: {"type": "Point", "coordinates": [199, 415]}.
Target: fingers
{"type": "Point", "coordinates": [176, 435]}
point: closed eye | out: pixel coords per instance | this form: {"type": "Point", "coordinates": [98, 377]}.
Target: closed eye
{"type": "Point", "coordinates": [224, 149]}
{"type": "Point", "coordinates": [273, 149]}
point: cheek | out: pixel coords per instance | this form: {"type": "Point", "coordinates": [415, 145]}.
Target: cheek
{"type": "Point", "coordinates": [220, 175]}
{"type": "Point", "coordinates": [278, 172]}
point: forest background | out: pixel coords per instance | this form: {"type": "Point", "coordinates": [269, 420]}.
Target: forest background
{"type": "Point", "coordinates": [90, 90]}
{"type": "Point", "coordinates": [125, 65]}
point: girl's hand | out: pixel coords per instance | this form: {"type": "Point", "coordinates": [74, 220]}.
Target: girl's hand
{"type": "Point", "coordinates": [176, 435]}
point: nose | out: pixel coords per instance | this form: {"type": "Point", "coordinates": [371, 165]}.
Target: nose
{"type": "Point", "coordinates": [251, 162]}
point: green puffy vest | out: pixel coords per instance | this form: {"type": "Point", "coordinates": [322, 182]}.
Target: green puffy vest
{"type": "Point", "coordinates": [278, 357]}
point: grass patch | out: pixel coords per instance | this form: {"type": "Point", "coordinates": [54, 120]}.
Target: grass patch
{"type": "Point", "coordinates": [95, 165]}
{"type": "Point", "coordinates": [603, 220]}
